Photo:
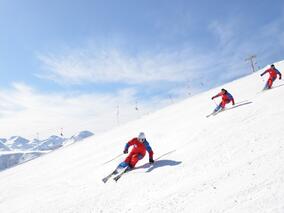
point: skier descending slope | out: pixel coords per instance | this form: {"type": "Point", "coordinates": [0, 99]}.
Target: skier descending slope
{"type": "Point", "coordinates": [226, 98]}
{"type": "Point", "coordinates": [140, 146]}
{"type": "Point", "coordinates": [273, 72]}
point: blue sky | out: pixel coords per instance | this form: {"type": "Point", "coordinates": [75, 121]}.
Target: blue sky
{"type": "Point", "coordinates": [144, 52]}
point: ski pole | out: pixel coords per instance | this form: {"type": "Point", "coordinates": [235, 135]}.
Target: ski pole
{"type": "Point", "coordinates": [113, 159]}
{"type": "Point", "coordinates": [215, 102]}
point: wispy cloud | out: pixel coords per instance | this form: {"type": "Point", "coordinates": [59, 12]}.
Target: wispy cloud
{"type": "Point", "coordinates": [223, 61]}
{"type": "Point", "coordinates": [224, 32]}
{"type": "Point", "coordinates": [235, 41]}
{"type": "Point", "coordinates": [25, 111]}
{"type": "Point", "coordinates": [113, 65]}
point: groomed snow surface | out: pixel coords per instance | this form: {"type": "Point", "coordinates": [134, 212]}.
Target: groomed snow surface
{"type": "Point", "coordinates": [232, 162]}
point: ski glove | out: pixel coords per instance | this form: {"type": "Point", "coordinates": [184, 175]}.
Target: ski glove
{"type": "Point", "coordinates": [125, 151]}
{"type": "Point", "coordinates": [261, 74]}
{"type": "Point", "coordinates": [212, 98]}
{"type": "Point", "coordinates": [151, 160]}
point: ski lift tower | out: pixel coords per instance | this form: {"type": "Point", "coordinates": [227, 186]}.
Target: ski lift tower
{"type": "Point", "coordinates": [250, 59]}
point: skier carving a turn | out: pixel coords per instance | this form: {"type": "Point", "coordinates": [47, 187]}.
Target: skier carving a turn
{"type": "Point", "coordinates": [273, 72]}
{"type": "Point", "coordinates": [226, 98]}
{"type": "Point", "coordinates": [140, 146]}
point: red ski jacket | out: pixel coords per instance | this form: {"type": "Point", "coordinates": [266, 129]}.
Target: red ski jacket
{"type": "Point", "coordinates": [139, 148]}
{"type": "Point", "coordinates": [226, 97]}
{"type": "Point", "coordinates": [272, 73]}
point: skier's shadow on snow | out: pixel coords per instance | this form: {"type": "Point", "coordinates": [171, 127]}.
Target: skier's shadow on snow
{"type": "Point", "coordinates": [158, 164]}
{"type": "Point", "coordinates": [280, 85]}
{"type": "Point", "coordinates": [162, 163]}
{"type": "Point", "coordinates": [240, 104]}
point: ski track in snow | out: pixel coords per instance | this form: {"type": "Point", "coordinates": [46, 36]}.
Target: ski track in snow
{"type": "Point", "coordinates": [229, 163]}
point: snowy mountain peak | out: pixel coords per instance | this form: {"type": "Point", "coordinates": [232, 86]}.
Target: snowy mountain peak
{"type": "Point", "coordinates": [3, 140]}
{"type": "Point", "coordinates": [18, 143]}
{"type": "Point", "coordinates": [56, 138]}
{"type": "Point", "coordinates": [55, 142]}
{"type": "Point", "coordinates": [3, 147]}
{"type": "Point", "coordinates": [18, 139]}
{"type": "Point", "coordinates": [52, 143]}
{"type": "Point", "coordinates": [35, 142]}
{"type": "Point", "coordinates": [82, 135]}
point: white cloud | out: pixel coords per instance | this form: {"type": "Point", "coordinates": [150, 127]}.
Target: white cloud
{"type": "Point", "coordinates": [113, 65]}
{"type": "Point", "coordinates": [236, 41]}
{"type": "Point", "coordinates": [224, 33]}
{"type": "Point", "coordinates": [26, 112]}
{"type": "Point", "coordinates": [105, 64]}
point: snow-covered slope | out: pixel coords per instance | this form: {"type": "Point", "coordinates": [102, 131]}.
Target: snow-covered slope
{"type": "Point", "coordinates": [231, 162]}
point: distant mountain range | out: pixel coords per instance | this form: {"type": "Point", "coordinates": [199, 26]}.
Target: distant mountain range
{"type": "Point", "coordinates": [18, 143]}
{"type": "Point", "coordinates": [17, 150]}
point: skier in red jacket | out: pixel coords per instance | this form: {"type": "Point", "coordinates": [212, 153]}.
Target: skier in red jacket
{"type": "Point", "coordinates": [273, 72]}
{"type": "Point", "coordinates": [226, 98]}
{"type": "Point", "coordinates": [140, 146]}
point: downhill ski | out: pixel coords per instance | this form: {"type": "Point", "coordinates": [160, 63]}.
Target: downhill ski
{"type": "Point", "coordinates": [123, 171]}
{"type": "Point", "coordinates": [118, 171]}
{"type": "Point", "coordinates": [105, 179]}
